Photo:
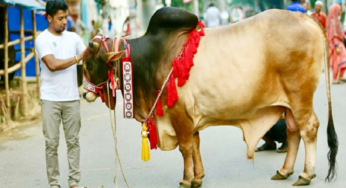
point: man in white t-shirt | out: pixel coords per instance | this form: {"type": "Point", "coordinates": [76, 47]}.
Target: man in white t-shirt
{"type": "Point", "coordinates": [212, 16]}
{"type": "Point", "coordinates": [59, 51]}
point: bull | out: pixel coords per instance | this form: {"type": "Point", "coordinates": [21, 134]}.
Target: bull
{"type": "Point", "coordinates": [245, 74]}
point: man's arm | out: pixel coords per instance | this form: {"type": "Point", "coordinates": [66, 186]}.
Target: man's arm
{"type": "Point", "coordinates": [59, 64]}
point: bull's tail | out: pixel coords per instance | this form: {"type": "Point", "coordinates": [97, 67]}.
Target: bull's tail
{"type": "Point", "coordinates": [331, 133]}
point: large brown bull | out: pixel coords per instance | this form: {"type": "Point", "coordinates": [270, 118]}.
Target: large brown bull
{"type": "Point", "coordinates": [245, 74]}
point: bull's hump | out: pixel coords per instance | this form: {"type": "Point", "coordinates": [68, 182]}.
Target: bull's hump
{"type": "Point", "coordinates": [172, 19]}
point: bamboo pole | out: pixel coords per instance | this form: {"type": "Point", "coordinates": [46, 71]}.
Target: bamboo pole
{"type": "Point", "coordinates": [16, 42]}
{"type": "Point", "coordinates": [7, 88]}
{"type": "Point", "coordinates": [37, 65]}
{"type": "Point", "coordinates": [18, 65]}
{"type": "Point", "coordinates": [22, 59]}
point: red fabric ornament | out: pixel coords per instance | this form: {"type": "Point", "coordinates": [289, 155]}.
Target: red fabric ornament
{"type": "Point", "coordinates": [153, 134]}
{"type": "Point", "coordinates": [172, 95]}
{"type": "Point", "coordinates": [175, 67]}
{"type": "Point", "coordinates": [183, 63]}
{"type": "Point", "coordinates": [159, 110]}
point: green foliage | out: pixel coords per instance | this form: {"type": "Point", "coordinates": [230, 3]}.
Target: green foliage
{"type": "Point", "coordinates": [188, 6]}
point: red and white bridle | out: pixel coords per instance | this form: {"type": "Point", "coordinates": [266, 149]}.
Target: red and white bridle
{"type": "Point", "coordinates": [114, 84]}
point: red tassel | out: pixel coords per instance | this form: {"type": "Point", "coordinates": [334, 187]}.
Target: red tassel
{"type": "Point", "coordinates": [201, 25]}
{"type": "Point", "coordinates": [175, 66]}
{"type": "Point", "coordinates": [182, 72]}
{"type": "Point", "coordinates": [149, 130]}
{"type": "Point", "coordinates": [182, 65]}
{"type": "Point", "coordinates": [192, 46]}
{"type": "Point", "coordinates": [159, 110]}
{"type": "Point", "coordinates": [153, 134]}
{"type": "Point", "coordinates": [172, 95]}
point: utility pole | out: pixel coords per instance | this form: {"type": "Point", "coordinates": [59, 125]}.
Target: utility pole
{"type": "Point", "coordinates": [325, 6]}
{"type": "Point", "coordinates": [195, 7]}
{"type": "Point", "coordinates": [145, 9]}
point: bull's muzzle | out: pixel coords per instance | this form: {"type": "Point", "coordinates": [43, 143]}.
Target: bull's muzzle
{"type": "Point", "coordinates": [90, 96]}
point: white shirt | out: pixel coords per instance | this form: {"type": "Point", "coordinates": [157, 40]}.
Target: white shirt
{"type": "Point", "coordinates": [213, 17]}
{"type": "Point", "coordinates": [59, 85]}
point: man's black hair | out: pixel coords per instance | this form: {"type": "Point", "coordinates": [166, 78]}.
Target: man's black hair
{"type": "Point", "coordinates": [53, 6]}
{"type": "Point", "coordinates": [211, 5]}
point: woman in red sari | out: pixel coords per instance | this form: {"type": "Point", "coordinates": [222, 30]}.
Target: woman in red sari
{"type": "Point", "coordinates": [337, 51]}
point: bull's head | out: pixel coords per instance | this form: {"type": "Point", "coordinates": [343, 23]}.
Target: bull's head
{"type": "Point", "coordinates": [96, 66]}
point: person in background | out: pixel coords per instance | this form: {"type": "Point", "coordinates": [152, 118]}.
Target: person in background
{"type": "Point", "coordinates": [212, 16]}
{"type": "Point", "coordinates": [93, 30]}
{"type": "Point", "coordinates": [70, 23]}
{"type": "Point", "coordinates": [237, 14]}
{"type": "Point", "coordinates": [72, 29]}
{"type": "Point", "coordinates": [337, 51]}
{"type": "Point", "coordinates": [319, 15]}
{"type": "Point", "coordinates": [295, 7]}
{"type": "Point", "coordinates": [276, 133]}
{"type": "Point", "coordinates": [307, 8]}
{"type": "Point", "coordinates": [79, 25]}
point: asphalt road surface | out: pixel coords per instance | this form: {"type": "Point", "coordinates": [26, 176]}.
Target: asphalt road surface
{"type": "Point", "coordinates": [22, 155]}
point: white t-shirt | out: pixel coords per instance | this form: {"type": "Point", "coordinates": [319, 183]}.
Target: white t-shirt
{"type": "Point", "coordinates": [59, 85]}
{"type": "Point", "coordinates": [213, 17]}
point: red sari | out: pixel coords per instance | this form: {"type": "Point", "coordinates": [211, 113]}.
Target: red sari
{"type": "Point", "coordinates": [335, 35]}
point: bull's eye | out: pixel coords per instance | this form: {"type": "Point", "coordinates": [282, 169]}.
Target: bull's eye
{"type": "Point", "coordinates": [89, 66]}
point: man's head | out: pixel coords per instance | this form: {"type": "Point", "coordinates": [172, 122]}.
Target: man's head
{"type": "Point", "coordinates": [211, 5]}
{"type": "Point", "coordinates": [72, 29]}
{"type": "Point", "coordinates": [294, 1]}
{"type": "Point", "coordinates": [57, 14]}
{"type": "Point", "coordinates": [318, 6]}
{"type": "Point", "coordinates": [306, 6]}
{"type": "Point", "coordinates": [93, 22]}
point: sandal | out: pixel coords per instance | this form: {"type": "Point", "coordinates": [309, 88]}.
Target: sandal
{"type": "Point", "coordinates": [342, 80]}
{"type": "Point", "coordinates": [283, 148]}
{"type": "Point", "coordinates": [265, 147]}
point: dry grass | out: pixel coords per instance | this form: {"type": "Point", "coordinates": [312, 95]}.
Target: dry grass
{"type": "Point", "coordinates": [12, 116]}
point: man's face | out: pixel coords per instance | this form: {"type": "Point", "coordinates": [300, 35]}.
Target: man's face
{"type": "Point", "coordinates": [58, 21]}
{"type": "Point", "coordinates": [318, 8]}
{"type": "Point", "coordinates": [306, 7]}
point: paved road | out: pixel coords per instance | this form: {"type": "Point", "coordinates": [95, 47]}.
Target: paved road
{"type": "Point", "coordinates": [22, 162]}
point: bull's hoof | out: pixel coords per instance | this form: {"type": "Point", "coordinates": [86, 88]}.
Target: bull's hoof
{"type": "Point", "coordinates": [303, 181]}
{"type": "Point", "coordinates": [196, 183]}
{"type": "Point", "coordinates": [279, 176]}
{"type": "Point", "coordinates": [184, 185]}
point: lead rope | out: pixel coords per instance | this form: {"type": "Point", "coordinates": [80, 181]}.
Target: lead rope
{"type": "Point", "coordinates": [113, 126]}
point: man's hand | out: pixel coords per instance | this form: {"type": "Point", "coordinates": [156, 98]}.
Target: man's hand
{"type": "Point", "coordinates": [80, 56]}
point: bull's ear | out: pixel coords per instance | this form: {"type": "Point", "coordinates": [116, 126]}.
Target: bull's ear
{"type": "Point", "coordinates": [94, 46]}
{"type": "Point", "coordinates": [113, 56]}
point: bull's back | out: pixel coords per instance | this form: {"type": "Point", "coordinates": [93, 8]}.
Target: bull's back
{"type": "Point", "coordinates": [255, 63]}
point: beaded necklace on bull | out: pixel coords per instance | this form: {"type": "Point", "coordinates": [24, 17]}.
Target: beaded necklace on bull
{"type": "Point", "coordinates": [180, 70]}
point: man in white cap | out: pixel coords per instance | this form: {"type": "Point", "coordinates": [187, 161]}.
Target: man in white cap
{"type": "Point", "coordinates": [319, 15]}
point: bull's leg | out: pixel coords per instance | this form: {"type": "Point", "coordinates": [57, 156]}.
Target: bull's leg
{"type": "Point", "coordinates": [197, 160]}
{"type": "Point", "coordinates": [184, 132]}
{"type": "Point", "coordinates": [308, 132]}
{"type": "Point", "coordinates": [293, 138]}
{"type": "Point", "coordinates": [186, 148]}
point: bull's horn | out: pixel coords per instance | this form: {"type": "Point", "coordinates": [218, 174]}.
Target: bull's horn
{"type": "Point", "coordinates": [94, 46]}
